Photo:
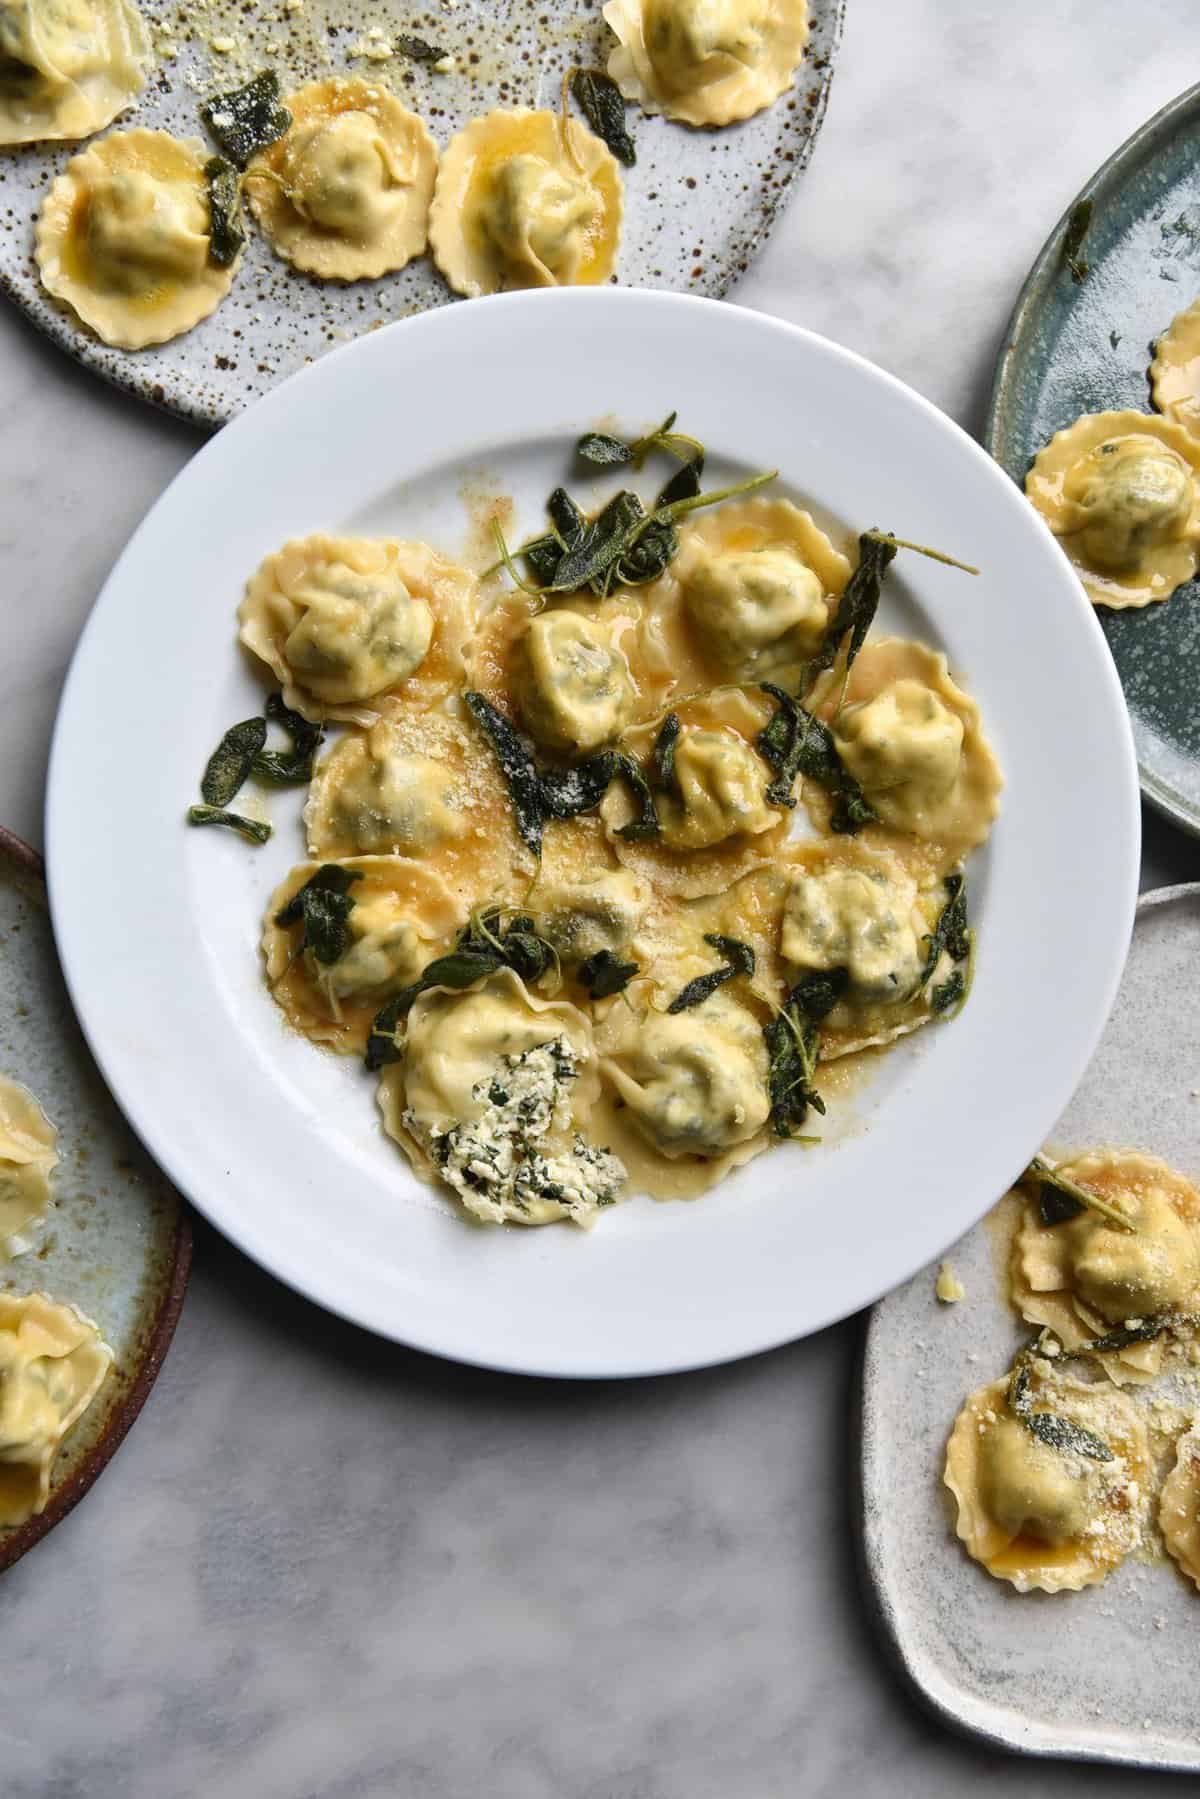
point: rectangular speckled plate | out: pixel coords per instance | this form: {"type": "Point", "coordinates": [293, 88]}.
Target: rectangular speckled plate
{"type": "Point", "coordinates": [1104, 1675]}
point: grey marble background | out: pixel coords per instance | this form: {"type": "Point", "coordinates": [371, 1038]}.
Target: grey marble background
{"type": "Point", "coordinates": [322, 1568]}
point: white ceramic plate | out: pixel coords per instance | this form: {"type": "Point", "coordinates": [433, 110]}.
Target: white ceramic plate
{"type": "Point", "coordinates": [157, 925]}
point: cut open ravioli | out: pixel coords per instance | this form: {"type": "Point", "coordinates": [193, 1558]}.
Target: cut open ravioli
{"type": "Point", "coordinates": [851, 908]}
{"type": "Point", "coordinates": [525, 199]}
{"type": "Point", "coordinates": [28, 1157]}
{"type": "Point", "coordinates": [715, 820]}
{"type": "Point", "coordinates": [52, 1363]}
{"type": "Point", "coordinates": [1085, 1277]}
{"type": "Point", "coordinates": [1179, 1506]}
{"type": "Point", "coordinates": [1175, 371]}
{"type": "Point", "coordinates": [1034, 1509]}
{"type": "Point", "coordinates": [123, 238]}
{"type": "Point", "coordinates": [706, 62]}
{"type": "Point", "coordinates": [351, 624]}
{"type": "Point", "coordinates": [492, 1093]}
{"type": "Point", "coordinates": [914, 742]}
{"type": "Point", "coordinates": [1119, 491]}
{"type": "Point", "coordinates": [345, 193]}
{"type": "Point", "coordinates": [399, 917]}
{"type": "Point", "coordinates": [68, 67]}
{"type": "Point", "coordinates": [747, 599]}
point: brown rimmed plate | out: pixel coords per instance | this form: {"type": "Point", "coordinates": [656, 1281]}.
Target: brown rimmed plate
{"type": "Point", "coordinates": [118, 1241]}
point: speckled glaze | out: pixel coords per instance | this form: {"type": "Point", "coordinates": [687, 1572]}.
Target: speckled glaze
{"type": "Point", "coordinates": [698, 203]}
{"type": "Point", "coordinates": [117, 1242]}
{"type": "Point", "coordinates": [1103, 1675]}
{"type": "Point", "coordinates": [1086, 347]}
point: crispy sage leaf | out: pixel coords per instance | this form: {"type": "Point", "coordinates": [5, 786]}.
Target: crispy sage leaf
{"type": "Point", "coordinates": [603, 451]}
{"type": "Point", "coordinates": [795, 742]}
{"type": "Point", "coordinates": [417, 49]}
{"type": "Point", "coordinates": [288, 768]}
{"type": "Point", "coordinates": [1060, 1198]}
{"type": "Point", "coordinates": [793, 1048]}
{"type": "Point", "coordinates": [951, 933]}
{"type": "Point", "coordinates": [323, 905]}
{"type": "Point", "coordinates": [684, 483]}
{"type": "Point", "coordinates": [739, 959]}
{"type": "Point", "coordinates": [225, 233]}
{"type": "Point", "coordinates": [251, 828]}
{"type": "Point", "coordinates": [229, 766]}
{"type": "Point", "coordinates": [516, 765]}
{"type": "Point", "coordinates": [856, 609]}
{"type": "Point", "coordinates": [1078, 225]}
{"type": "Point", "coordinates": [1051, 1429]}
{"type": "Point", "coordinates": [602, 105]}
{"type": "Point", "coordinates": [662, 756]}
{"type": "Point", "coordinates": [247, 119]}
{"type": "Point", "coordinates": [605, 974]}
{"type": "Point", "coordinates": [1145, 1332]}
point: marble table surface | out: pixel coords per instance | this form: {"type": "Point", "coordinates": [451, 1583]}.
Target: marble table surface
{"type": "Point", "coordinates": [326, 1567]}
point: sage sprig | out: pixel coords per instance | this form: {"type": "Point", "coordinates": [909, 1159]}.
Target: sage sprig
{"type": "Point", "coordinates": [1060, 1197]}
{"type": "Point", "coordinates": [1049, 1427]}
{"type": "Point", "coordinates": [247, 119]}
{"type": "Point", "coordinates": [951, 936]}
{"type": "Point", "coordinates": [795, 742]}
{"type": "Point", "coordinates": [226, 234]}
{"type": "Point", "coordinates": [292, 767]}
{"type": "Point", "coordinates": [856, 608]}
{"type": "Point", "coordinates": [604, 974]}
{"type": "Point", "coordinates": [253, 829]}
{"type": "Point", "coordinates": [739, 959]}
{"type": "Point", "coordinates": [793, 1048]}
{"type": "Point", "coordinates": [231, 763]}
{"type": "Point", "coordinates": [323, 906]}
{"type": "Point", "coordinates": [603, 106]}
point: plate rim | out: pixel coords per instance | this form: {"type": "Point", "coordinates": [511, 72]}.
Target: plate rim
{"type": "Point", "coordinates": [65, 1497]}
{"type": "Point", "coordinates": [570, 1364]}
{"type": "Point", "coordinates": [975, 1721]}
{"type": "Point", "coordinates": [1033, 293]}
{"type": "Point", "coordinates": [57, 324]}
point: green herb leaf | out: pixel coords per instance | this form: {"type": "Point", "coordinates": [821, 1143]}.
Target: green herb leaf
{"type": "Point", "coordinates": [602, 105]}
{"type": "Point", "coordinates": [654, 550]}
{"type": "Point", "coordinates": [417, 49]}
{"type": "Point", "coordinates": [1078, 223]}
{"type": "Point", "coordinates": [246, 120]}
{"type": "Point", "coordinates": [1060, 1198]}
{"type": "Point", "coordinates": [251, 828]}
{"type": "Point", "coordinates": [603, 451]}
{"type": "Point", "coordinates": [662, 756]}
{"type": "Point", "coordinates": [1048, 1427]}
{"type": "Point", "coordinates": [229, 766]}
{"type": "Point", "coordinates": [323, 905]}
{"type": "Point", "coordinates": [295, 766]}
{"type": "Point", "coordinates": [856, 609]}
{"type": "Point", "coordinates": [605, 974]}
{"type": "Point", "coordinates": [793, 1049]}
{"type": "Point", "coordinates": [684, 483]}
{"type": "Point", "coordinates": [516, 765]}
{"type": "Point", "coordinates": [951, 934]}
{"type": "Point", "coordinates": [566, 517]}
{"type": "Point", "coordinates": [225, 233]}
{"type": "Point", "coordinates": [795, 742]}
{"type": "Point", "coordinates": [739, 959]}
{"type": "Point", "coordinates": [948, 993]}
{"type": "Point", "coordinates": [1146, 1332]}
{"type": "Point", "coordinates": [604, 542]}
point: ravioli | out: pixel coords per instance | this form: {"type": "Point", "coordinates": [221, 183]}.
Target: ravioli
{"type": "Point", "coordinates": [345, 193]}
{"type": "Point", "coordinates": [402, 917]}
{"type": "Point", "coordinates": [591, 913]}
{"type": "Point", "coordinates": [53, 1362]}
{"type": "Point", "coordinates": [747, 599]}
{"type": "Point", "coordinates": [694, 1083]}
{"type": "Point", "coordinates": [372, 796]}
{"type": "Point", "coordinates": [1179, 1506]}
{"type": "Point", "coordinates": [1175, 371]}
{"type": "Point", "coordinates": [28, 1157]}
{"type": "Point", "coordinates": [525, 199]}
{"type": "Point", "coordinates": [573, 685]}
{"type": "Point", "coordinates": [1043, 1517]}
{"type": "Point", "coordinates": [491, 1093]}
{"type": "Point", "coordinates": [351, 625]}
{"type": "Point", "coordinates": [914, 742]}
{"type": "Point", "coordinates": [851, 907]}
{"type": "Point", "coordinates": [1119, 491]}
{"type": "Point", "coordinates": [68, 67]}
{"type": "Point", "coordinates": [123, 239]}
{"type": "Point", "coordinates": [1086, 1277]}
{"type": "Point", "coordinates": [715, 820]}
{"type": "Point", "coordinates": [706, 62]}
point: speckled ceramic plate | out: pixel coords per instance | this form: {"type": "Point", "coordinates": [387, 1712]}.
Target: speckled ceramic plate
{"type": "Point", "coordinates": [1086, 347]}
{"type": "Point", "coordinates": [117, 1242]}
{"type": "Point", "coordinates": [698, 203]}
{"type": "Point", "coordinates": [1103, 1675]}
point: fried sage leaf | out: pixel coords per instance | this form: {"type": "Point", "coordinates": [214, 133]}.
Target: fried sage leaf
{"type": "Point", "coordinates": [739, 959]}
{"type": "Point", "coordinates": [859, 602]}
{"type": "Point", "coordinates": [1145, 1332]}
{"type": "Point", "coordinates": [605, 974]}
{"type": "Point", "coordinates": [600, 101]}
{"type": "Point", "coordinates": [795, 742]}
{"type": "Point", "coordinates": [323, 905]}
{"type": "Point", "coordinates": [288, 768]}
{"type": "Point", "coordinates": [662, 756]}
{"type": "Point", "coordinates": [1060, 1198]}
{"type": "Point", "coordinates": [516, 765]}
{"type": "Point", "coordinates": [251, 828]}
{"type": "Point", "coordinates": [247, 119]}
{"type": "Point", "coordinates": [793, 1048]}
{"type": "Point", "coordinates": [603, 451]}
{"type": "Point", "coordinates": [230, 765]}
{"type": "Point", "coordinates": [225, 232]}
{"type": "Point", "coordinates": [417, 49]}
{"type": "Point", "coordinates": [1078, 225]}
{"type": "Point", "coordinates": [1055, 1431]}
{"type": "Point", "coordinates": [951, 934]}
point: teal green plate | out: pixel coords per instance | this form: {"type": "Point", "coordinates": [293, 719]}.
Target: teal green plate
{"type": "Point", "coordinates": [1086, 347]}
